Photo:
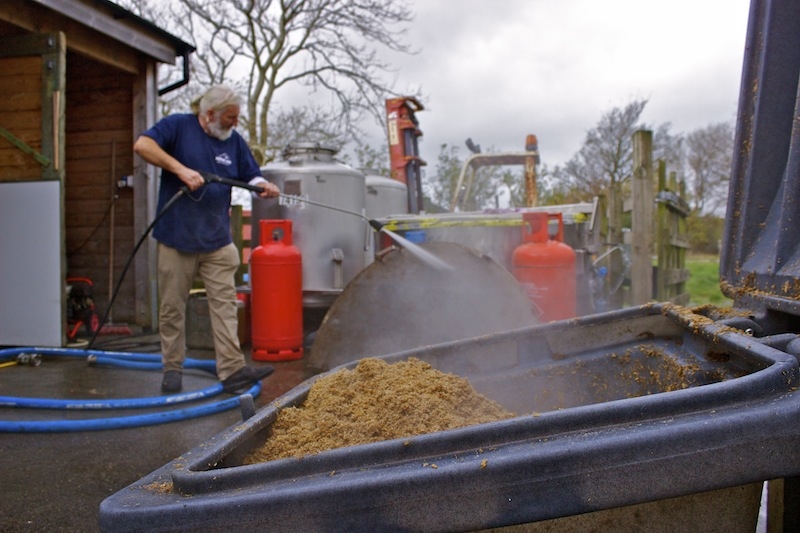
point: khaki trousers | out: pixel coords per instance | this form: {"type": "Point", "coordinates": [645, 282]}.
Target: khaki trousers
{"type": "Point", "coordinates": [176, 273]}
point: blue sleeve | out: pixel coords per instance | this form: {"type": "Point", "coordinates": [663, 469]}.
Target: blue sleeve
{"type": "Point", "coordinates": [165, 132]}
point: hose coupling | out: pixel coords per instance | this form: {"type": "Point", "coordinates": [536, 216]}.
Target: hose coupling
{"type": "Point", "coordinates": [33, 359]}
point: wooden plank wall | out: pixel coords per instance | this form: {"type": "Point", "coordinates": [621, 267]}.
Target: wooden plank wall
{"type": "Point", "coordinates": [99, 123]}
{"type": "Point", "coordinates": [241, 231]}
{"type": "Point", "coordinates": [21, 116]}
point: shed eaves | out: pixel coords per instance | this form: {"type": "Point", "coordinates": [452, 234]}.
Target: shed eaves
{"type": "Point", "coordinates": [118, 23]}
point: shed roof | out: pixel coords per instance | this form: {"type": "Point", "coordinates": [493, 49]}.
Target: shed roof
{"type": "Point", "coordinates": [118, 23]}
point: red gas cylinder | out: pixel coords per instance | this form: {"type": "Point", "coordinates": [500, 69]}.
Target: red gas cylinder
{"type": "Point", "coordinates": [545, 267]}
{"type": "Point", "coordinates": [276, 299]}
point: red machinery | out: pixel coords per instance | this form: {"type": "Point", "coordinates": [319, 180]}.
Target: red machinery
{"type": "Point", "coordinates": [80, 307]}
{"type": "Point", "coordinates": [546, 267]}
{"type": "Point", "coordinates": [404, 149]}
{"type": "Point", "coordinates": [276, 300]}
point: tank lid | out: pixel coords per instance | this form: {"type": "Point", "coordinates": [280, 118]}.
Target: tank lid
{"type": "Point", "coordinates": [309, 150]}
{"type": "Point", "coordinates": [383, 182]}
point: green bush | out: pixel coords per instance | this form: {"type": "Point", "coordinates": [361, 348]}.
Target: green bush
{"type": "Point", "coordinates": [705, 233]}
{"type": "Point", "coordinates": [703, 285]}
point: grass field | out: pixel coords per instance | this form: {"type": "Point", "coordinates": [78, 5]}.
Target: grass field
{"type": "Point", "coordinates": [703, 286]}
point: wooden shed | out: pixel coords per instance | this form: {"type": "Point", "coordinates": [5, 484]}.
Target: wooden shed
{"type": "Point", "coordinates": [77, 84]}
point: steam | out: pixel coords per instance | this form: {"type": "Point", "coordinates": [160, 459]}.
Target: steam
{"type": "Point", "coordinates": [418, 251]}
{"type": "Point", "coordinates": [401, 303]}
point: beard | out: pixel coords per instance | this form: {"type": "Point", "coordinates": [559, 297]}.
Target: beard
{"type": "Point", "coordinates": [216, 130]}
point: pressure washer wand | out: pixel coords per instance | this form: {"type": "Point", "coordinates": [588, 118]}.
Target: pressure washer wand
{"type": "Point", "coordinates": [213, 178]}
{"type": "Point", "coordinates": [426, 256]}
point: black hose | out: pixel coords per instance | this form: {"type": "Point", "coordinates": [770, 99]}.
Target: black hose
{"type": "Point", "coordinates": [183, 190]}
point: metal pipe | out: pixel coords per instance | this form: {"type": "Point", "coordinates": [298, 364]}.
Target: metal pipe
{"type": "Point", "coordinates": [180, 83]}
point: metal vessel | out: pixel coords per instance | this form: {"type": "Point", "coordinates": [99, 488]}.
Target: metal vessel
{"type": "Point", "coordinates": [334, 244]}
{"type": "Point", "coordinates": [385, 196]}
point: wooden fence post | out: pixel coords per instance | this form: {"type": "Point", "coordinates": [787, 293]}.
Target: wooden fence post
{"type": "Point", "coordinates": [673, 239]}
{"type": "Point", "coordinates": [615, 238]}
{"type": "Point", "coordinates": [236, 234]}
{"type": "Point", "coordinates": [642, 219]}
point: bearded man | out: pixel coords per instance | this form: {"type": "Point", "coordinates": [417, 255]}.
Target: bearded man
{"type": "Point", "coordinates": [194, 234]}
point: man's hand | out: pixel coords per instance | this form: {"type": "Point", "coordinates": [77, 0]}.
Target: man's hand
{"type": "Point", "coordinates": [270, 190]}
{"type": "Point", "coordinates": [191, 178]}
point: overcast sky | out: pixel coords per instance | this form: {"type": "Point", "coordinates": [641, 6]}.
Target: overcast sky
{"type": "Point", "coordinates": [498, 70]}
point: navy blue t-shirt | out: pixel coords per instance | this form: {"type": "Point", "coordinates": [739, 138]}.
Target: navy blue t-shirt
{"type": "Point", "coordinates": [199, 221]}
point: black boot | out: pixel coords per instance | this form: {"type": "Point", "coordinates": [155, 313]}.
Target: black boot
{"type": "Point", "coordinates": [171, 382]}
{"type": "Point", "coordinates": [244, 378]}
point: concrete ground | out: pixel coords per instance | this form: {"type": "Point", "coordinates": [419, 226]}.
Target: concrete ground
{"type": "Point", "coordinates": [56, 481]}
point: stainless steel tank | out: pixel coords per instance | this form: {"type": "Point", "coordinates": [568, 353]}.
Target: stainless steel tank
{"type": "Point", "coordinates": [334, 244]}
{"type": "Point", "coordinates": [385, 196]}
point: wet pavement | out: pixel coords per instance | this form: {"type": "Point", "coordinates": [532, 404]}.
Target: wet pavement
{"type": "Point", "coordinates": [56, 481]}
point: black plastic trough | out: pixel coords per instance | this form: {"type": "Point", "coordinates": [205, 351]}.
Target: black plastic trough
{"type": "Point", "coordinates": [608, 425]}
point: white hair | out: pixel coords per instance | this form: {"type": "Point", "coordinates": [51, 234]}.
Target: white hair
{"type": "Point", "coordinates": [217, 97]}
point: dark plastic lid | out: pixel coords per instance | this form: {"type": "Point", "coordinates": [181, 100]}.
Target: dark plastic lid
{"type": "Point", "coordinates": [760, 263]}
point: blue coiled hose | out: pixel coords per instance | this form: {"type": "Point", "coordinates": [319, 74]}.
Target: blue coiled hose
{"type": "Point", "coordinates": [120, 359]}
{"type": "Point", "coordinates": [124, 360]}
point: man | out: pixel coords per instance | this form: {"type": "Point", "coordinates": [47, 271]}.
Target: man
{"type": "Point", "coordinates": [194, 234]}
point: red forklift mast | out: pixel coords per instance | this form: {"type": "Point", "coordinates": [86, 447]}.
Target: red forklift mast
{"type": "Point", "coordinates": [405, 163]}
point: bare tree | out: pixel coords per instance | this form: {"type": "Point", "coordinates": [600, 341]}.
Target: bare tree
{"type": "Point", "coordinates": [606, 156]}
{"type": "Point", "coordinates": [439, 188]}
{"type": "Point", "coordinates": [556, 187]}
{"type": "Point", "coordinates": [670, 148]}
{"type": "Point", "coordinates": [374, 161]}
{"type": "Point", "coordinates": [307, 123]}
{"type": "Point", "coordinates": [329, 48]}
{"type": "Point", "coordinates": [709, 155]}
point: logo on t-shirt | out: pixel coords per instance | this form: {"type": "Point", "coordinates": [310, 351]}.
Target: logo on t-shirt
{"type": "Point", "coordinates": [223, 159]}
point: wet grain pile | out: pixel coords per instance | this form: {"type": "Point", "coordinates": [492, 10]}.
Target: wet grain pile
{"type": "Point", "coordinates": [373, 402]}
